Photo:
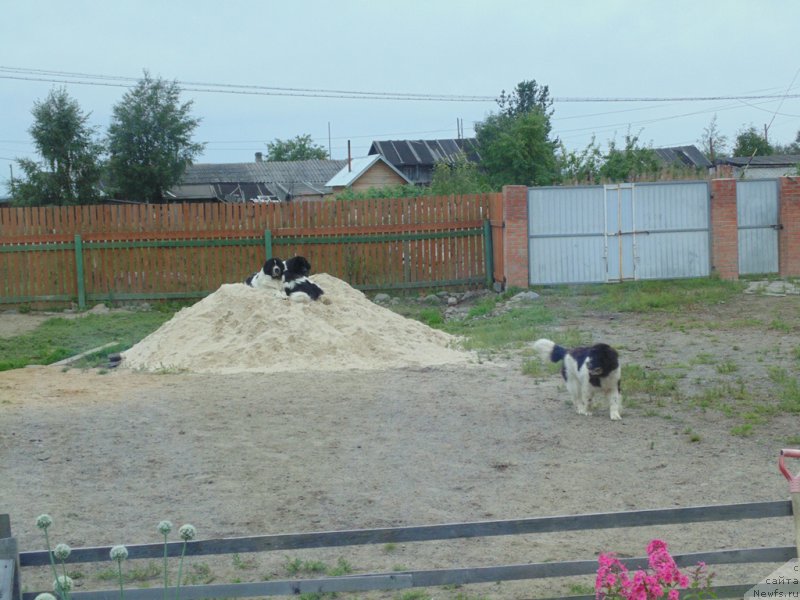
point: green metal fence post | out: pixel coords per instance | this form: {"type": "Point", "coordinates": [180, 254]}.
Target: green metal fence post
{"type": "Point", "coordinates": [268, 243]}
{"type": "Point", "coordinates": [488, 250]}
{"type": "Point", "coordinates": [79, 272]}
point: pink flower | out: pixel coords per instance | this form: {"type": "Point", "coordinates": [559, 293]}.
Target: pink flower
{"type": "Point", "coordinates": [656, 546]}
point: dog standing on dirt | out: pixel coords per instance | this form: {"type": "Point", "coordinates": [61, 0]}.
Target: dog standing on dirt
{"type": "Point", "coordinates": [587, 371]}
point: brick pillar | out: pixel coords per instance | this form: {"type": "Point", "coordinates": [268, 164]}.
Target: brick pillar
{"type": "Point", "coordinates": [515, 236]}
{"type": "Point", "coordinates": [724, 229]}
{"type": "Point", "coordinates": [789, 236]}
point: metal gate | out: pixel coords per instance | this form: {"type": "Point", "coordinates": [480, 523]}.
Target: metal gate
{"type": "Point", "coordinates": [619, 232]}
{"type": "Point", "coordinates": [758, 214]}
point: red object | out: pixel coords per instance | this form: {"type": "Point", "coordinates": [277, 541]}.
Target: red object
{"type": "Point", "coordinates": [794, 480]}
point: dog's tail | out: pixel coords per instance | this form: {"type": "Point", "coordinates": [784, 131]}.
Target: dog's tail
{"type": "Point", "coordinates": [549, 350]}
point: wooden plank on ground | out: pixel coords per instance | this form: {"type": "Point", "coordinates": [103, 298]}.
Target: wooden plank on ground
{"type": "Point", "coordinates": [424, 533]}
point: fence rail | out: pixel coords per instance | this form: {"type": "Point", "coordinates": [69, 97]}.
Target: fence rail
{"type": "Point", "coordinates": [438, 577]}
{"type": "Point", "coordinates": [145, 252]}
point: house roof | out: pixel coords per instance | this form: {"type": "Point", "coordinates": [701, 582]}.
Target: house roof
{"type": "Point", "coordinates": [776, 160]}
{"type": "Point", "coordinates": [688, 156]}
{"type": "Point", "coordinates": [358, 166]}
{"type": "Point", "coordinates": [402, 153]}
{"type": "Point", "coordinates": [235, 182]}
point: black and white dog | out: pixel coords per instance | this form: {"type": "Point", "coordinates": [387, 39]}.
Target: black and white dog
{"type": "Point", "coordinates": [300, 288]}
{"type": "Point", "coordinates": [269, 276]}
{"type": "Point", "coordinates": [587, 371]}
{"type": "Point", "coordinates": [292, 275]}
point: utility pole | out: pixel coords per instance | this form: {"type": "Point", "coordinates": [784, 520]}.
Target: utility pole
{"type": "Point", "coordinates": [329, 140]}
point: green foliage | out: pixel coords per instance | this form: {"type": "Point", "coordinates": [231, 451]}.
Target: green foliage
{"type": "Point", "coordinates": [664, 296]}
{"type": "Point", "coordinates": [150, 140]}
{"type": "Point", "coordinates": [457, 176]}
{"type": "Point", "coordinates": [749, 142]}
{"type": "Point", "coordinates": [580, 167]}
{"type": "Point", "coordinates": [526, 97]}
{"type": "Point", "coordinates": [298, 148]}
{"type": "Point", "coordinates": [629, 163]}
{"type": "Point", "coordinates": [515, 144]}
{"type": "Point", "coordinates": [517, 149]}
{"type": "Point", "coordinates": [70, 169]}
{"type": "Point", "coordinates": [712, 142]}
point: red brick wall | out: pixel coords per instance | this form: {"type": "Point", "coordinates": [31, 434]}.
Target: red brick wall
{"type": "Point", "coordinates": [789, 236]}
{"type": "Point", "coordinates": [724, 229]}
{"type": "Point", "coordinates": [515, 236]}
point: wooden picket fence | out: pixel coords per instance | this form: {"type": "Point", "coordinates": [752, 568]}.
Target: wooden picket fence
{"type": "Point", "coordinates": [57, 255]}
{"type": "Point", "coordinates": [10, 557]}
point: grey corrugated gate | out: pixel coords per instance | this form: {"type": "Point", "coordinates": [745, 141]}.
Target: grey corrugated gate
{"type": "Point", "coordinates": [757, 211]}
{"type": "Point", "coordinates": [619, 232]}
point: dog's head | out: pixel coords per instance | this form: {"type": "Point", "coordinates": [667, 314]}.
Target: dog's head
{"type": "Point", "coordinates": [298, 264]}
{"type": "Point", "coordinates": [274, 267]}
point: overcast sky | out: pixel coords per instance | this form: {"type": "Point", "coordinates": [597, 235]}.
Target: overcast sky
{"type": "Point", "coordinates": [582, 50]}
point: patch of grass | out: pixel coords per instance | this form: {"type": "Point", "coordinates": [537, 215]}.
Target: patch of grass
{"type": "Point", "coordinates": [727, 367]}
{"type": "Point", "coordinates": [703, 358]}
{"type": "Point", "coordinates": [432, 317]}
{"type": "Point", "coordinates": [788, 389]}
{"type": "Point", "coordinates": [638, 380]}
{"type": "Point", "coordinates": [415, 595]}
{"type": "Point", "coordinates": [244, 564]}
{"type": "Point", "coordinates": [580, 589]}
{"type": "Point", "coordinates": [743, 430]}
{"type": "Point", "coordinates": [342, 568]}
{"type": "Point", "coordinates": [694, 437]}
{"type": "Point", "coordinates": [780, 325]}
{"type": "Point", "coordinates": [59, 338]}
{"type": "Point", "coordinates": [199, 574]}
{"type": "Point", "coordinates": [665, 295]}
{"type": "Point", "coordinates": [509, 329]}
{"type": "Point", "coordinates": [132, 574]}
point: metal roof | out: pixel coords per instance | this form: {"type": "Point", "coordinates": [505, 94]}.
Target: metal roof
{"type": "Point", "coordinates": [688, 156]}
{"type": "Point", "coordinates": [776, 160]}
{"type": "Point", "coordinates": [403, 153]}
{"type": "Point", "coordinates": [282, 180]}
{"type": "Point", "coordinates": [358, 166]}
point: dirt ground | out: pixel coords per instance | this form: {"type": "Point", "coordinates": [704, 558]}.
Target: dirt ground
{"type": "Point", "coordinates": [109, 455]}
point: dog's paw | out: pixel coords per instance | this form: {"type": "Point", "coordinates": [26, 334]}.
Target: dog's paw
{"type": "Point", "coordinates": [584, 412]}
{"type": "Point", "coordinates": [615, 416]}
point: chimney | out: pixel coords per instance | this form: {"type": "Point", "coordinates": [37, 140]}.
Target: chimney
{"type": "Point", "coordinates": [349, 165]}
{"type": "Point", "coordinates": [259, 157]}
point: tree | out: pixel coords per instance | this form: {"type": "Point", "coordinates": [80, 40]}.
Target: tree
{"type": "Point", "coordinates": [749, 142]}
{"type": "Point", "coordinates": [70, 170]}
{"type": "Point", "coordinates": [629, 163]}
{"type": "Point", "coordinates": [583, 167]}
{"type": "Point", "coordinates": [517, 150]}
{"type": "Point", "coordinates": [527, 96]}
{"type": "Point", "coordinates": [712, 142]}
{"type": "Point", "coordinates": [299, 148]}
{"type": "Point", "coordinates": [150, 140]}
{"type": "Point", "coordinates": [457, 176]}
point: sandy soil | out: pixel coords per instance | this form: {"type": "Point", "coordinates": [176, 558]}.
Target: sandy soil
{"type": "Point", "coordinates": [109, 455]}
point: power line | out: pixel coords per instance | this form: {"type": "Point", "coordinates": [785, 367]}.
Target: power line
{"type": "Point", "coordinates": [67, 77]}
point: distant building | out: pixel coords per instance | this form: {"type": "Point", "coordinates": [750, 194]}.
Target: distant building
{"type": "Point", "coordinates": [416, 159]}
{"type": "Point", "coordinates": [361, 174]}
{"type": "Point", "coordinates": [258, 181]}
{"type": "Point", "coordinates": [759, 167]}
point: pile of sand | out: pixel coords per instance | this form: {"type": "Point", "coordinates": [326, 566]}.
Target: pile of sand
{"type": "Point", "coordinates": [241, 329]}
